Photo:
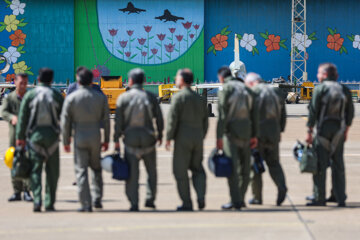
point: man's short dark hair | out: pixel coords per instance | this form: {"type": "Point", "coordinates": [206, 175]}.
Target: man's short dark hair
{"type": "Point", "coordinates": [224, 72]}
{"type": "Point", "coordinates": [46, 75]}
{"type": "Point", "coordinates": [137, 75]}
{"type": "Point", "coordinates": [187, 75]}
{"type": "Point", "coordinates": [85, 77]}
{"type": "Point", "coordinates": [79, 69]}
{"type": "Point", "coordinates": [331, 70]}
{"type": "Point", "coordinates": [22, 75]}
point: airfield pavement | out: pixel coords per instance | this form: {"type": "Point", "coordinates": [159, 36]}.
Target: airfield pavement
{"type": "Point", "coordinates": [291, 221]}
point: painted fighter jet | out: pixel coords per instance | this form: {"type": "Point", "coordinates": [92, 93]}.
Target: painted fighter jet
{"type": "Point", "coordinates": [131, 9]}
{"type": "Point", "coordinates": [169, 17]}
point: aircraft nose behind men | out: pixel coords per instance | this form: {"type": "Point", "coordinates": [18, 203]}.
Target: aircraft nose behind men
{"type": "Point", "coordinates": [136, 110]}
{"type": "Point", "coordinates": [86, 111]}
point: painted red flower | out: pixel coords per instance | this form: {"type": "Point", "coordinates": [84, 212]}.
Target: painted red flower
{"type": "Point", "coordinates": [196, 26]}
{"type": "Point", "coordinates": [161, 36]}
{"type": "Point", "coordinates": [154, 51]}
{"type": "Point", "coordinates": [220, 42]}
{"type": "Point", "coordinates": [127, 54]}
{"type": "Point", "coordinates": [141, 41]}
{"type": "Point", "coordinates": [170, 47]}
{"type": "Point", "coordinates": [143, 54]}
{"type": "Point", "coordinates": [113, 32]}
{"type": "Point", "coordinates": [96, 73]}
{"type": "Point", "coordinates": [10, 77]}
{"type": "Point", "coordinates": [272, 43]}
{"type": "Point", "coordinates": [123, 43]}
{"type": "Point", "coordinates": [187, 25]}
{"type": "Point", "coordinates": [130, 32]}
{"type": "Point", "coordinates": [172, 30]}
{"type": "Point", "coordinates": [147, 28]}
{"type": "Point", "coordinates": [17, 38]}
{"type": "Point", "coordinates": [335, 41]}
{"type": "Point", "coordinates": [179, 37]}
{"type": "Point", "coordinates": [191, 35]}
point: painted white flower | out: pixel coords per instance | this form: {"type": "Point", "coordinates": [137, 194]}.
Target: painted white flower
{"type": "Point", "coordinates": [17, 7]}
{"type": "Point", "coordinates": [12, 55]}
{"type": "Point", "coordinates": [356, 42]}
{"type": "Point", "coordinates": [248, 42]}
{"type": "Point", "coordinates": [302, 41]}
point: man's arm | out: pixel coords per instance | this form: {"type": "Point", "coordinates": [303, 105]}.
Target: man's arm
{"type": "Point", "coordinates": [118, 120]}
{"type": "Point", "coordinates": [66, 122]}
{"type": "Point", "coordinates": [173, 119]}
{"type": "Point", "coordinates": [205, 118]}
{"type": "Point", "coordinates": [254, 115]}
{"type": "Point", "coordinates": [23, 118]}
{"type": "Point", "coordinates": [220, 129]}
{"type": "Point", "coordinates": [159, 118]}
{"type": "Point", "coordinates": [314, 107]}
{"type": "Point", "coordinates": [283, 114]}
{"type": "Point", "coordinates": [106, 120]}
{"type": "Point", "coordinates": [5, 110]}
{"type": "Point", "coordinates": [349, 108]}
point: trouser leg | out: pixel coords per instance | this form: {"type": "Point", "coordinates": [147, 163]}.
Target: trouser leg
{"type": "Point", "coordinates": [132, 184]}
{"type": "Point", "coordinates": [320, 177]}
{"type": "Point", "coordinates": [18, 185]}
{"type": "Point", "coordinates": [96, 172]}
{"type": "Point", "coordinates": [256, 185]}
{"type": "Point", "coordinates": [271, 156]}
{"type": "Point", "coordinates": [231, 151]}
{"type": "Point", "coordinates": [244, 171]}
{"type": "Point", "coordinates": [150, 165]}
{"type": "Point", "coordinates": [52, 170]}
{"type": "Point", "coordinates": [198, 172]}
{"type": "Point", "coordinates": [182, 156]}
{"type": "Point", "coordinates": [338, 173]}
{"type": "Point", "coordinates": [82, 158]}
{"type": "Point", "coordinates": [35, 177]}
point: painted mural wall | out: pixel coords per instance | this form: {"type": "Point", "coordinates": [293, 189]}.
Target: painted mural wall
{"type": "Point", "coordinates": [264, 27]}
{"type": "Point", "coordinates": [113, 36]}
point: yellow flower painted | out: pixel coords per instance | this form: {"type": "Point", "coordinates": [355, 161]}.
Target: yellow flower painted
{"type": "Point", "coordinates": [20, 67]}
{"type": "Point", "coordinates": [11, 23]}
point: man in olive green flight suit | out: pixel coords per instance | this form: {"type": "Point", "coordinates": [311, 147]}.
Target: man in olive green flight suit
{"type": "Point", "coordinates": [272, 121]}
{"type": "Point", "coordinates": [10, 112]}
{"type": "Point", "coordinates": [237, 131]}
{"type": "Point", "coordinates": [38, 128]}
{"type": "Point", "coordinates": [86, 110]}
{"type": "Point", "coordinates": [136, 110]}
{"type": "Point", "coordinates": [187, 126]}
{"type": "Point", "coordinates": [331, 110]}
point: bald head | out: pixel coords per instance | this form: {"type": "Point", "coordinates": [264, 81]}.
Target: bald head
{"type": "Point", "coordinates": [252, 79]}
{"type": "Point", "coordinates": [184, 77]}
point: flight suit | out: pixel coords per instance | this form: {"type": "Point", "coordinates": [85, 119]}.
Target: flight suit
{"type": "Point", "coordinates": [43, 147]}
{"type": "Point", "coordinates": [85, 111]}
{"type": "Point", "coordinates": [325, 158]}
{"type": "Point", "coordinates": [10, 108]}
{"type": "Point", "coordinates": [136, 152]}
{"type": "Point", "coordinates": [239, 152]}
{"type": "Point", "coordinates": [187, 125]}
{"type": "Point", "coordinates": [268, 144]}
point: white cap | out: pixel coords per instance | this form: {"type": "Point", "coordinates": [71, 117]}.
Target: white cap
{"type": "Point", "coordinates": [252, 77]}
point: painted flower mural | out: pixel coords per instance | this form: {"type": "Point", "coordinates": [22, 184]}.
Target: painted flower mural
{"type": "Point", "coordinates": [301, 41]}
{"type": "Point", "coordinates": [335, 41]}
{"type": "Point", "coordinates": [158, 33]}
{"type": "Point", "coordinates": [273, 42]}
{"type": "Point", "coordinates": [248, 42]}
{"type": "Point", "coordinates": [355, 39]}
{"type": "Point", "coordinates": [14, 38]}
{"type": "Point", "coordinates": [219, 41]}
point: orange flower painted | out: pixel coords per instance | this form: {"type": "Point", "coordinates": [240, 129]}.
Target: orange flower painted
{"type": "Point", "coordinates": [220, 42]}
{"type": "Point", "coordinates": [18, 38]}
{"type": "Point", "coordinates": [272, 43]}
{"type": "Point", "coordinates": [335, 42]}
{"type": "Point", "coordinates": [10, 77]}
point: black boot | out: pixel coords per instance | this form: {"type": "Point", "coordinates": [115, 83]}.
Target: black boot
{"type": "Point", "coordinates": [98, 205]}
{"type": "Point", "coordinates": [27, 197]}
{"type": "Point", "coordinates": [255, 201]}
{"type": "Point", "coordinates": [201, 204]}
{"type": "Point", "coordinates": [315, 203]}
{"type": "Point", "coordinates": [15, 197]}
{"type": "Point", "coordinates": [50, 209]}
{"type": "Point", "coordinates": [331, 199]}
{"type": "Point", "coordinates": [85, 209]}
{"type": "Point", "coordinates": [134, 208]}
{"type": "Point", "coordinates": [37, 207]}
{"type": "Point", "coordinates": [281, 197]}
{"type": "Point", "coordinates": [150, 204]}
{"type": "Point", "coordinates": [183, 208]}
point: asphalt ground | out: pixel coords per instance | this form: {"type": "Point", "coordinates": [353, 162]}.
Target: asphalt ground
{"type": "Point", "coordinates": [293, 220]}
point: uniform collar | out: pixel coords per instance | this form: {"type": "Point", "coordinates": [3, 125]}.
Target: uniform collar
{"type": "Point", "coordinates": [137, 86]}
{"type": "Point", "coordinates": [229, 78]}
{"type": "Point", "coordinates": [45, 84]}
{"type": "Point", "coordinates": [85, 87]}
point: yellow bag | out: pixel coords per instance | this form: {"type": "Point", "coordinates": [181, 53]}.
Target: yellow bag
{"type": "Point", "coordinates": [9, 157]}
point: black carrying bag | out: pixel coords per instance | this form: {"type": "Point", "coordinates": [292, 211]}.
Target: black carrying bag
{"type": "Point", "coordinates": [219, 164]}
{"type": "Point", "coordinates": [121, 168]}
{"type": "Point", "coordinates": [258, 164]}
{"type": "Point", "coordinates": [308, 163]}
{"type": "Point", "coordinates": [21, 165]}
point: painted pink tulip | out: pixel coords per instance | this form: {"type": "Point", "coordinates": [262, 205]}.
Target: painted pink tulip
{"type": "Point", "coordinates": [141, 41]}
{"type": "Point", "coordinates": [179, 37]}
{"type": "Point", "coordinates": [161, 36]}
{"type": "Point", "coordinates": [143, 54]}
{"type": "Point", "coordinates": [123, 43]}
{"type": "Point", "coordinates": [172, 30]}
{"type": "Point", "coordinates": [196, 26]}
{"type": "Point", "coordinates": [147, 28]}
{"type": "Point", "coordinates": [191, 35]}
{"type": "Point", "coordinates": [113, 32]}
{"type": "Point", "coordinates": [96, 73]}
{"type": "Point", "coordinates": [187, 25]}
{"type": "Point", "coordinates": [170, 47]}
{"type": "Point", "coordinates": [154, 51]}
{"type": "Point", "coordinates": [128, 54]}
{"type": "Point", "coordinates": [130, 32]}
